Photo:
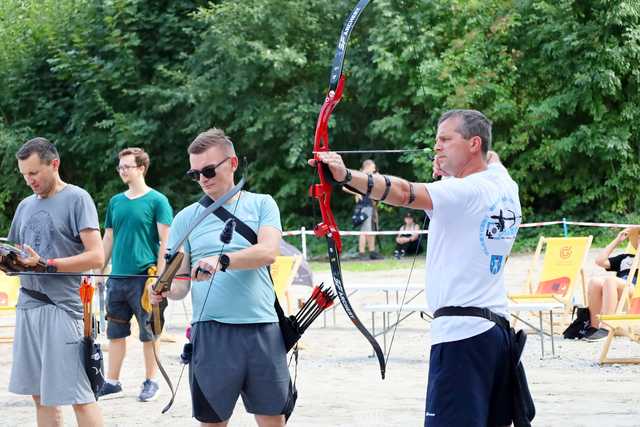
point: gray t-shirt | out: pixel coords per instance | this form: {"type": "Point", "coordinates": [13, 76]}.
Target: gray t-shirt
{"type": "Point", "coordinates": [52, 228]}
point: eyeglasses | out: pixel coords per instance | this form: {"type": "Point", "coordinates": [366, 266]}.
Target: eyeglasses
{"type": "Point", "coordinates": [125, 167]}
{"type": "Point", "coordinates": [207, 171]}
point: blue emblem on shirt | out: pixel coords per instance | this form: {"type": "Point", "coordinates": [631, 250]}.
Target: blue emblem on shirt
{"type": "Point", "coordinates": [495, 263]}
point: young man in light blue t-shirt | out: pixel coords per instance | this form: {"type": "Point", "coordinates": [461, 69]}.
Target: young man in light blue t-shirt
{"type": "Point", "coordinates": [237, 344]}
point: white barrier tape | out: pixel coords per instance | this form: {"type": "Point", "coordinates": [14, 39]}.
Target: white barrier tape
{"type": "Point", "coordinates": [601, 224]}
{"type": "Point", "coordinates": [527, 225]}
{"type": "Point", "coordinates": [539, 224]}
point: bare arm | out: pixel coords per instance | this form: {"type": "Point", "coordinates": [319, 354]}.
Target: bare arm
{"type": "Point", "coordinates": [163, 233]}
{"type": "Point", "coordinates": [91, 258]}
{"type": "Point", "coordinates": [401, 192]}
{"type": "Point", "coordinates": [415, 236]}
{"type": "Point", "coordinates": [603, 257]}
{"type": "Point", "coordinates": [107, 243]}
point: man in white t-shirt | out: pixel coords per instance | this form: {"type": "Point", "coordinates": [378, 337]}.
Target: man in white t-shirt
{"type": "Point", "coordinates": [475, 214]}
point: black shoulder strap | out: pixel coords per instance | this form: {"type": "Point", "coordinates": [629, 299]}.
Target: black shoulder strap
{"type": "Point", "coordinates": [241, 227]}
{"type": "Point", "coordinates": [247, 232]}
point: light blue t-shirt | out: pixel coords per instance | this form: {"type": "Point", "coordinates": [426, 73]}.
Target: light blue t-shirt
{"type": "Point", "coordinates": [236, 296]}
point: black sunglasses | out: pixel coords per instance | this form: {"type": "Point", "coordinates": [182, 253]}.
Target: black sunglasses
{"type": "Point", "coordinates": [207, 171]}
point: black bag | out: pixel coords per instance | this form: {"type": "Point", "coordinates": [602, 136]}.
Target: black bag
{"type": "Point", "coordinates": [580, 325]}
{"type": "Point", "coordinates": [93, 364]}
{"type": "Point", "coordinates": [523, 408]}
{"type": "Point", "coordinates": [359, 217]}
{"type": "Point", "coordinates": [291, 402]}
{"type": "Point", "coordinates": [288, 326]}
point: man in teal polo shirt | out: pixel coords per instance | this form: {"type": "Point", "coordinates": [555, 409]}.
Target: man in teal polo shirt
{"type": "Point", "coordinates": [136, 232]}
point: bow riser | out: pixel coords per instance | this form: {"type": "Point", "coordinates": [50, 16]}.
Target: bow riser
{"type": "Point", "coordinates": [322, 191]}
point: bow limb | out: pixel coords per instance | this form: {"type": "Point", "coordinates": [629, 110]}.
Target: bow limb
{"type": "Point", "coordinates": [323, 190]}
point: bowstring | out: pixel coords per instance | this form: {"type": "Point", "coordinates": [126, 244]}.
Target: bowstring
{"type": "Point", "coordinates": [210, 285]}
{"type": "Point", "coordinates": [415, 256]}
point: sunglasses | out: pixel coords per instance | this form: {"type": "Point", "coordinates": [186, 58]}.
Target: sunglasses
{"type": "Point", "coordinates": [207, 171]}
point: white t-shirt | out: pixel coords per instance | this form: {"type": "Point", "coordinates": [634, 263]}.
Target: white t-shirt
{"type": "Point", "coordinates": [473, 225]}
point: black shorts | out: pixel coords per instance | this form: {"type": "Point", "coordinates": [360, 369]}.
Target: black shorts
{"type": "Point", "coordinates": [469, 382]}
{"type": "Point", "coordinates": [229, 361]}
{"type": "Point", "coordinates": [123, 302]}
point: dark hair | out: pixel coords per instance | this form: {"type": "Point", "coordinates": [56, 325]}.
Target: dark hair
{"type": "Point", "coordinates": [213, 137]}
{"type": "Point", "coordinates": [141, 157]}
{"type": "Point", "coordinates": [473, 123]}
{"type": "Point", "coordinates": [45, 150]}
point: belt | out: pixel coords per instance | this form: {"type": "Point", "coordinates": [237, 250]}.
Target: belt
{"type": "Point", "coordinates": [37, 295]}
{"type": "Point", "coordinates": [485, 313]}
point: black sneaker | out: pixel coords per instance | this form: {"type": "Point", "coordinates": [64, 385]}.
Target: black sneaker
{"type": "Point", "coordinates": [375, 255]}
{"type": "Point", "coordinates": [110, 390]}
{"type": "Point", "coordinates": [598, 335]}
{"type": "Point", "coordinates": [589, 331]}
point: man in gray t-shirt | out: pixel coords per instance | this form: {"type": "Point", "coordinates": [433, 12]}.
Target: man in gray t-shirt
{"type": "Point", "coordinates": [57, 226]}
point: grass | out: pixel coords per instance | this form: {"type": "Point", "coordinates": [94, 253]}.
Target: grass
{"type": "Point", "coordinates": [386, 264]}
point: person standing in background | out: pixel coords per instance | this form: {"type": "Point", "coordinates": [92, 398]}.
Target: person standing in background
{"type": "Point", "coordinates": [135, 238]}
{"type": "Point", "coordinates": [368, 207]}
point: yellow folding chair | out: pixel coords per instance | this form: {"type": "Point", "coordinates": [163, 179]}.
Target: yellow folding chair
{"type": "Point", "coordinates": [9, 289]}
{"type": "Point", "coordinates": [283, 271]}
{"type": "Point", "coordinates": [562, 267]}
{"type": "Point", "coordinates": [626, 320]}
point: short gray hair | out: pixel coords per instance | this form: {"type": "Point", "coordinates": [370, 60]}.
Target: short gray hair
{"type": "Point", "coordinates": [41, 146]}
{"type": "Point", "coordinates": [473, 123]}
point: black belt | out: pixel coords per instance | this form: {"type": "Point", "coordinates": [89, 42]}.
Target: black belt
{"type": "Point", "coordinates": [485, 313]}
{"type": "Point", "coordinates": [37, 295]}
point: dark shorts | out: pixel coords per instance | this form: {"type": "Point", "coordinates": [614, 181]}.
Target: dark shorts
{"type": "Point", "coordinates": [626, 276]}
{"type": "Point", "coordinates": [123, 302]}
{"type": "Point", "coordinates": [469, 382]}
{"type": "Point", "coordinates": [238, 360]}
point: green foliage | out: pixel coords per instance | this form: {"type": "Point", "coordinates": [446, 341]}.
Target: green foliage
{"type": "Point", "coordinates": [558, 78]}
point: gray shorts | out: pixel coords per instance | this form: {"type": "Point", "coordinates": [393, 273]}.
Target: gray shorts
{"type": "Point", "coordinates": [48, 357]}
{"type": "Point", "coordinates": [367, 225]}
{"type": "Point", "coordinates": [123, 302]}
{"type": "Point", "coordinates": [232, 360]}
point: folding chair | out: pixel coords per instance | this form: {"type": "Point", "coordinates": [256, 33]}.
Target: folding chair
{"type": "Point", "coordinates": [283, 271]}
{"type": "Point", "coordinates": [9, 288]}
{"type": "Point", "coordinates": [626, 319]}
{"type": "Point", "coordinates": [562, 267]}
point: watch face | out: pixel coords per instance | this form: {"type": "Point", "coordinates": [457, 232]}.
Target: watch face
{"type": "Point", "coordinates": [224, 261]}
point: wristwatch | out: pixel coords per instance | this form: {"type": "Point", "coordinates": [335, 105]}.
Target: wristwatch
{"type": "Point", "coordinates": [347, 178]}
{"type": "Point", "coordinates": [224, 262]}
{"type": "Point", "coordinates": [51, 266]}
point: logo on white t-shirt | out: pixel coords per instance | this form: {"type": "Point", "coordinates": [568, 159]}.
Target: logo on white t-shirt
{"type": "Point", "coordinates": [498, 231]}
{"type": "Point", "coordinates": [495, 263]}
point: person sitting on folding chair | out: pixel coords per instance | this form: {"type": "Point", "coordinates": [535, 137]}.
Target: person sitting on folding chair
{"type": "Point", "coordinates": [408, 239]}
{"type": "Point", "coordinates": [604, 293]}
